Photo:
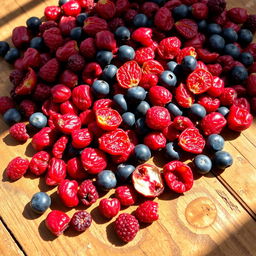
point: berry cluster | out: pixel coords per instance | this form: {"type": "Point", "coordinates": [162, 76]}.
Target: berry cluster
{"type": "Point", "coordinates": [107, 83]}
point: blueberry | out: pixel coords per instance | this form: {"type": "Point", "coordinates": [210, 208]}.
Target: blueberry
{"type": "Point", "coordinates": [40, 202]}
{"type": "Point", "coordinates": [12, 55]}
{"type": "Point", "coordinates": [121, 102]}
{"type": "Point", "coordinates": [4, 48]}
{"type": "Point", "coordinates": [104, 57]}
{"type": "Point", "coordinates": [178, 71]}
{"type": "Point", "coordinates": [128, 118]}
{"type": "Point", "coordinates": [61, 2]}
{"type": "Point", "coordinates": [122, 33]}
{"type": "Point", "coordinates": [124, 171]}
{"type": "Point", "coordinates": [239, 74]}
{"type": "Point", "coordinates": [100, 87]}
{"type": "Point", "coordinates": [12, 116]}
{"type": "Point", "coordinates": [215, 142]}
{"type": "Point", "coordinates": [216, 42]}
{"type": "Point", "coordinates": [142, 153]}
{"type": "Point", "coordinates": [223, 110]}
{"type": "Point", "coordinates": [174, 109]}
{"type": "Point", "coordinates": [189, 63]}
{"type": "Point", "coordinates": [126, 53]}
{"type": "Point", "coordinates": [142, 108]}
{"type": "Point", "coordinates": [222, 160]}
{"type": "Point", "coordinates": [171, 65]}
{"type": "Point", "coordinates": [37, 43]}
{"type": "Point", "coordinates": [203, 164]}
{"type": "Point", "coordinates": [80, 18]}
{"type": "Point", "coordinates": [38, 120]}
{"type": "Point", "coordinates": [33, 24]}
{"type": "Point", "coordinates": [230, 35]}
{"type": "Point", "coordinates": [214, 28]}
{"type": "Point", "coordinates": [136, 93]}
{"type": "Point", "coordinates": [106, 180]}
{"type": "Point", "coordinates": [171, 152]}
{"type": "Point", "coordinates": [232, 50]}
{"type": "Point", "coordinates": [140, 20]}
{"type": "Point", "coordinates": [109, 72]}
{"type": "Point", "coordinates": [246, 58]}
{"type": "Point", "coordinates": [180, 12]}
{"type": "Point", "coordinates": [76, 33]}
{"type": "Point", "coordinates": [198, 111]}
{"type": "Point", "coordinates": [245, 36]}
{"type": "Point", "coordinates": [168, 78]}
{"type": "Point", "coordinates": [141, 126]}
{"type": "Point", "coordinates": [202, 25]}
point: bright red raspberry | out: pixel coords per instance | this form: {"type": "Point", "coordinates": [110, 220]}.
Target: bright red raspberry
{"type": "Point", "coordinates": [53, 38]}
{"type": "Point", "coordinates": [163, 19]}
{"type": "Point", "coordinates": [228, 96]}
{"type": "Point", "coordinates": [66, 24]}
{"type": "Point", "coordinates": [44, 138]}
{"type": "Point", "coordinates": [82, 97]}
{"type": "Point", "coordinates": [56, 172]}
{"type": "Point", "coordinates": [102, 103]}
{"type": "Point", "coordinates": [183, 96]}
{"type": "Point", "coordinates": [182, 122]}
{"type": "Point", "coordinates": [81, 221]}
{"type": "Point", "coordinates": [88, 48]}
{"type": "Point", "coordinates": [81, 138]}
{"type": "Point", "coordinates": [50, 108]}
{"type": "Point", "coordinates": [169, 47]}
{"type": "Point", "coordinates": [242, 103]}
{"type": "Point", "coordinates": [159, 96]}
{"type": "Point", "coordinates": [52, 12]}
{"type": "Point", "coordinates": [148, 80]}
{"type": "Point", "coordinates": [200, 11]}
{"type": "Point", "coordinates": [68, 49]}
{"type": "Point", "coordinates": [147, 212]}
{"type": "Point", "coordinates": [91, 72]}
{"type": "Point", "coordinates": [75, 169]}
{"type": "Point", "coordinates": [59, 147]}
{"type": "Point", "coordinates": [19, 132]}
{"type": "Point", "coordinates": [155, 140]}
{"type": "Point", "coordinates": [68, 107]}
{"type": "Point", "coordinates": [20, 36]}
{"type": "Point", "coordinates": [93, 25]}
{"type": "Point", "coordinates": [50, 70]}
{"type": "Point", "coordinates": [71, 8]}
{"type": "Point", "coordinates": [171, 133]}
{"type": "Point", "coordinates": [88, 193]}
{"type": "Point", "coordinates": [57, 222]}
{"type": "Point", "coordinates": [237, 15]}
{"type": "Point", "coordinates": [16, 168]}
{"type": "Point", "coordinates": [149, 9]}
{"type": "Point", "coordinates": [5, 104]}
{"type": "Point", "coordinates": [126, 195]}
{"type": "Point", "coordinates": [217, 87]}
{"type": "Point", "coordinates": [76, 62]}
{"type": "Point", "coordinates": [39, 163]}
{"type": "Point", "coordinates": [68, 122]}
{"type": "Point", "coordinates": [207, 56]}
{"type": "Point", "coordinates": [210, 104]}
{"type": "Point", "coordinates": [126, 227]}
{"type": "Point", "coordinates": [87, 4]}
{"type": "Point", "coordinates": [106, 9]}
{"type": "Point", "coordinates": [93, 160]}
{"type": "Point", "coordinates": [143, 36]}
{"type": "Point", "coordinates": [60, 93]}
{"type": "Point", "coordinates": [67, 191]}
{"type": "Point", "coordinates": [144, 54]}
{"type": "Point", "coordinates": [69, 78]}
{"type": "Point", "coordinates": [158, 118]}
{"type": "Point", "coordinates": [109, 208]}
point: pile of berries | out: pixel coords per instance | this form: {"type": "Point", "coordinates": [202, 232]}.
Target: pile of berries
{"type": "Point", "coordinates": [105, 84]}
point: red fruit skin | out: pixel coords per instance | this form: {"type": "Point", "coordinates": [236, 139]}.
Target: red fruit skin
{"type": "Point", "coordinates": [155, 140]}
{"type": "Point", "coordinates": [251, 85]}
{"type": "Point", "coordinates": [87, 4]}
{"type": "Point", "coordinates": [31, 58]}
{"type": "Point", "coordinates": [117, 159]}
{"type": "Point", "coordinates": [109, 208]}
{"type": "Point", "coordinates": [56, 172]}
{"type": "Point", "coordinates": [67, 191]}
{"type": "Point", "coordinates": [237, 15]}
{"type": "Point", "coordinates": [60, 93]}
{"type": "Point", "coordinates": [91, 72]}
{"type": "Point", "coordinates": [201, 65]}
{"type": "Point", "coordinates": [50, 108]}
{"type": "Point", "coordinates": [126, 195]}
{"type": "Point", "coordinates": [102, 103]}
{"type": "Point", "coordinates": [69, 78]}
{"type": "Point", "coordinates": [209, 103]}
{"type": "Point", "coordinates": [149, 9]}
{"type": "Point", "coordinates": [47, 25]}
{"type": "Point", "coordinates": [5, 104]}
{"type": "Point", "coordinates": [183, 96]}
{"type": "Point", "coordinates": [87, 117]}
{"type": "Point", "coordinates": [18, 132]}
{"type": "Point", "coordinates": [158, 118]}
{"type": "Point", "coordinates": [148, 80]}
{"type": "Point", "coordinates": [16, 168]}
{"type": "Point", "coordinates": [59, 147]}
{"type": "Point", "coordinates": [105, 9]}
{"type": "Point", "coordinates": [239, 119]}
{"type": "Point", "coordinates": [105, 40]}
{"type": "Point", "coordinates": [186, 28]}
{"type": "Point", "coordinates": [66, 24]}
{"type": "Point", "coordinates": [221, 19]}
{"type": "Point", "coordinates": [52, 12]}
{"type": "Point", "coordinates": [93, 25]}
{"type": "Point", "coordinates": [82, 97]}
{"type": "Point", "coordinates": [41, 92]}
{"type": "Point", "coordinates": [39, 163]}
{"type": "Point", "coordinates": [16, 76]}
{"type": "Point", "coordinates": [45, 57]}
{"type": "Point", "coordinates": [213, 123]}
{"type": "Point", "coordinates": [68, 122]}
{"type": "Point", "coordinates": [240, 90]}
{"type": "Point", "coordinates": [71, 8]}
{"type": "Point", "coordinates": [147, 212]}
{"type": "Point", "coordinates": [68, 49]}
{"type": "Point", "coordinates": [159, 96]}
{"type": "Point", "coordinates": [53, 38]}
{"type": "Point", "coordinates": [75, 169]}
{"type": "Point", "coordinates": [143, 36]}
{"type": "Point", "coordinates": [115, 23]}
{"type": "Point", "coordinates": [93, 160]}
{"type": "Point", "coordinates": [87, 193]}
{"type": "Point", "coordinates": [215, 69]}
{"type": "Point", "coordinates": [44, 138]}
{"type": "Point", "coordinates": [169, 48]}
{"type": "Point", "coordinates": [129, 15]}
{"type": "Point", "coordinates": [252, 68]}
{"type": "Point", "coordinates": [242, 103]}
{"type": "Point", "coordinates": [88, 48]}
{"type": "Point", "coordinates": [81, 138]}
{"type": "Point", "coordinates": [200, 11]}
{"type": "Point", "coordinates": [152, 67]}
{"type": "Point", "coordinates": [253, 105]}
{"type": "Point", "coordinates": [172, 4]}
{"type": "Point", "coordinates": [27, 108]}
{"type": "Point", "coordinates": [76, 62]}
{"type": "Point", "coordinates": [251, 48]}
{"type": "Point", "coordinates": [178, 176]}
{"type": "Point", "coordinates": [68, 107]}
{"type": "Point", "coordinates": [196, 42]}
{"type": "Point", "coordinates": [171, 133]}
{"type": "Point", "coordinates": [187, 51]}
{"type": "Point", "coordinates": [95, 129]}
{"type": "Point", "coordinates": [182, 122]}
{"type": "Point", "coordinates": [28, 83]}
{"type": "Point", "coordinates": [20, 36]}
{"type": "Point", "coordinates": [163, 19]}
{"type": "Point", "coordinates": [50, 70]}
{"type": "Point", "coordinates": [228, 96]}
{"type": "Point", "coordinates": [217, 87]}
{"type": "Point", "coordinates": [144, 54]}
{"type": "Point", "coordinates": [122, 6]}
{"type": "Point", "coordinates": [57, 222]}
{"type": "Point", "coordinates": [206, 56]}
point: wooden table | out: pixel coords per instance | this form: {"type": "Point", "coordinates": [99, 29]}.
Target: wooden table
{"type": "Point", "coordinates": [217, 217]}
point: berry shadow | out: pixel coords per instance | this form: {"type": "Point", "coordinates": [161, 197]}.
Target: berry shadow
{"type": "Point", "coordinates": [112, 236]}
{"type": "Point", "coordinates": [28, 213]}
{"type": "Point", "coordinates": [70, 232]}
{"type": "Point", "coordinates": [4, 177]}
{"type": "Point", "coordinates": [57, 204]}
{"type": "Point", "coordinates": [10, 141]}
{"type": "Point", "coordinates": [44, 233]}
{"type": "Point", "coordinates": [216, 172]}
{"type": "Point", "coordinates": [230, 135]}
{"type": "Point", "coordinates": [42, 185]}
{"type": "Point", "coordinates": [96, 216]}
{"type": "Point", "coordinates": [30, 151]}
{"type": "Point", "coordinates": [169, 195]}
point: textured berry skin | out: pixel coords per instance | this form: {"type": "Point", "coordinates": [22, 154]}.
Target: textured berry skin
{"type": "Point", "coordinates": [16, 77]}
{"type": "Point", "coordinates": [49, 71]}
{"type": "Point", "coordinates": [81, 138]}
{"type": "Point", "coordinates": [159, 96]}
{"type": "Point", "coordinates": [147, 212]}
{"type": "Point", "coordinates": [31, 58]}
{"type": "Point", "coordinates": [19, 132]}
{"type": "Point", "coordinates": [93, 25]}
{"type": "Point", "coordinates": [67, 50]}
{"type": "Point", "coordinates": [87, 193]}
{"type": "Point", "coordinates": [20, 36]}
{"type": "Point", "coordinates": [39, 163]}
{"type": "Point", "coordinates": [126, 227]}
{"type": "Point", "coordinates": [91, 72]}
{"type": "Point", "coordinates": [200, 11]}
{"type": "Point", "coordinates": [109, 208]}
{"type": "Point", "coordinates": [41, 92]}
{"type": "Point", "coordinates": [228, 96]}
{"type": "Point", "coordinates": [126, 195]}
{"type": "Point", "coordinates": [76, 62]}
{"type": "Point", "coordinates": [44, 138]}
{"type": "Point", "coordinates": [27, 108]}
{"type": "Point", "coordinates": [57, 222]}
{"type": "Point", "coordinates": [71, 8]}
{"type": "Point", "coordinates": [67, 191]}
{"type": "Point", "coordinates": [216, 7]}
{"type": "Point", "coordinates": [47, 25]}
{"type": "Point", "coordinates": [75, 169]}
{"type": "Point", "coordinates": [169, 47]}
{"type": "Point", "coordinates": [143, 36]}
{"type": "Point", "coordinates": [5, 104]}
{"type": "Point", "coordinates": [105, 9]}
{"type": "Point", "coordinates": [237, 15]}
{"type": "Point", "coordinates": [187, 28]}
{"type": "Point", "coordinates": [69, 78]}
{"type": "Point", "coordinates": [68, 122]}
{"type": "Point", "coordinates": [81, 221]}
{"type": "Point", "coordinates": [68, 107]}
{"type": "Point", "coordinates": [60, 93]}
{"type": "Point", "coordinates": [182, 122]}
{"type": "Point", "coordinates": [52, 13]}
{"type": "Point", "coordinates": [59, 147]}
{"type": "Point", "coordinates": [105, 40]}
{"type": "Point", "coordinates": [82, 97]}
{"type": "Point", "coordinates": [56, 172]}
{"type": "Point", "coordinates": [155, 140]}
{"type": "Point", "coordinates": [163, 19]}
{"type": "Point", "coordinates": [16, 168]}
{"type": "Point", "coordinates": [53, 38]}
{"type": "Point", "coordinates": [250, 23]}
{"type": "Point", "coordinates": [88, 48]}
{"type": "Point", "coordinates": [66, 24]}
{"type": "Point", "coordinates": [210, 104]}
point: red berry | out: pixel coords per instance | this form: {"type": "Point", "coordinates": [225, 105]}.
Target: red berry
{"type": "Point", "coordinates": [81, 138]}
{"type": "Point", "coordinates": [152, 67]}
{"type": "Point", "coordinates": [5, 104]}
{"type": "Point", "coordinates": [210, 104]}
{"type": "Point", "coordinates": [68, 122]}
{"type": "Point", "coordinates": [88, 48]}
{"type": "Point", "coordinates": [186, 28]}
{"type": "Point", "coordinates": [31, 58]}
{"type": "Point", "coordinates": [50, 70]}
{"type": "Point", "coordinates": [159, 96]}
{"type": "Point", "coordinates": [182, 122]}
{"type": "Point", "coordinates": [251, 85]}
{"type": "Point", "coordinates": [126, 195]}
{"type": "Point", "coordinates": [147, 212]}
{"type": "Point", "coordinates": [43, 139]}
{"type": "Point", "coordinates": [109, 208]}
{"type": "Point", "coordinates": [200, 11]}
{"type": "Point", "coordinates": [69, 78]}
{"type": "Point", "coordinates": [115, 23]}
{"type": "Point", "coordinates": [93, 25]}
{"type": "Point", "coordinates": [187, 51]}
{"type": "Point", "coordinates": [76, 62]}
{"type": "Point", "coordinates": [87, 117]}
{"type": "Point", "coordinates": [206, 56]}
{"type": "Point", "coordinates": [82, 97]}
{"type": "Point", "coordinates": [66, 24]}
{"type": "Point", "coordinates": [171, 133]}
{"type": "Point", "coordinates": [215, 69]}
{"type": "Point", "coordinates": [143, 36]}
{"type": "Point", "coordinates": [163, 19]}
{"type": "Point", "coordinates": [158, 118]}
{"type": "Point", "coordinates": [75, 169]}
{"type": "Point", "coordinates": [228, 96]}
{"type": "Point", "coordinates": [216, 7]}
{"type": "Point", "coordinates": [144, 54]}
{"type": "Point", "coordinates": [183, 96]}
{"type": "Point", "coordinates": [106, 9]}
{"type": "Point", "coordinates": [53, 38]}
{"type": "Point", "coordinates": [39, 163]}
{"type": "Point", "coordinates": [169, 47]}
{"type": "Point", "coordinates": [149, 9]}
{"type": "Point", "coordinates": [47, 25]}
{"type": "Point", "coordinates": [67, 191]}
{"type": "Point", "coordinates": [68, 107]}
{"type": "Point", "coordinates": [240, 90]}
{"type": "Point", "coordinates": [68, 49]}
{"type": "Point", "coordinates": [237, 15]}
{"type": "Point", "coordinates": [81, 221]}
{"type": "Point", "coordinates": [52, 12]}
{"type": "Point", "coordinates": [148, 80]}
{"type": "Point", "coordinates": [91, 72]}
{"type": "Point", "coordinates": [20, 37]}
{"type": "Point", "coordinates": [59, 147]}
{"type": "Point", "coordinates": [87, 193]}
{"type": "Point", "coordinates": [56, 172]}
{"type": "Point", "coordinates": [242, 103]}
{"type": "Point", "coordinates": [155, 140]}
{"type": "Point", "coordinates": [71, 8]}
{"type": "Point", "coordinates": [87, 4]}
{"type": "Point", "coordinates": [19, 132]}
{"type": "Point", "coordinates": [41, 92]}
{"type": "Point", "coordinates": [60, 93]}
{"type": "Point", "coordinates": [102, 103]}
{"type": "Point", "coordinates": [16, 168]}
{"type": "Point", "coordinates": [105, 40]}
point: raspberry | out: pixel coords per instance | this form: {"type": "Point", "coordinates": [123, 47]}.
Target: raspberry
{"type": "Point", "coordinates": [93, 25]}
{"type": "Point", "coordinates": [88, 48]}
{"type": "Point", "coordinates": [53, 38]}
{"type": "Point", "coordinates": [76, 62]}
{"type": "Point", "coordinates": [19, 132]}
{"type": "Point", "coordinates": [238, 15]}
{"type": "Point", "coordinates": [172, 4]}
{"type": "Point", "coordinates": [68, 107]}
{"type": "Point", "coordinates": [87, 4]}
{"type": "Point", "coordinates": [171, 133]}
{"type": "Point", "coordinates": [105, 9]}
{"type": "Point", "coordinates": [75, 169]}
{"type": "Point", "coordinates": [122, 6]}
{"type": "Point", "coordinates": [186, 28]}
{"type": "Point", "coordinates": [68, 122]}
{"type": "Point", "coordinates": [109, 208]}
{"type": "Point", "coordinates": [41, 92]}
{"type": "Point", "coordinates": [59, 147]}
{"type": "Point", "coordinates": [129, 15]}
{"type": "Point", "coordinates": [159, 96]}
{"type": "Point", "coordinates": [91, 72]}
{"type": "Point", "coordinates": [126, 227]}
{"type": "Point", "coordinates": [105, 40]}
{"type": "Point", "coordinates": [147, 212]}
{"type": "Point", "coordinates": [50, 108]}
{"type": "Point", "coordinates": [5, 104]}
{"type": "Point", "coordinates": [163, 19]}
{"type": "Point", "coordinates": [67, 23]}
{"type": "Point", "coordinates": [215, 69]}
{"type": "Point", "coordinates": [50, 70]}
{"type": "Point", "coordinates": [20, 36]}
{"type": "Point", "coordinates": [45, 57]}
{"type": "Point", "coordinates": [31, 58]}
{"type": "Point", "coordinates": [67, 191]}
{"type": "Point", "coordinates": [81, 138]}
{"type": "Point", "coordinates": [143, 36]}
{"type": "Point", "coordinates": [69, 78]}
{"type": "Point", "coordinates": [144, 54]}
{"type": "Point", "coordinates": [87, 193]}
{"type": "Point", "coordinates": [126, 195]}
{"type": "Point", "coordinates": [57, 222]}
{"type": "Point", "coordinates": [155, 140]}
{"type": "Point", "coordinates": [56, 172]}
{"type": "Point", "coordinates": [82, 97]}
{"type": "Point", "coordinates": [148, 80]}
{"type": "Point", "coordinates": [67, 50]}
{"type": "Point", "coordinates": [52, 12]}
{"type": "Point", "coordinates": [250, 23]}
{"type": "Point", "coordinates": [60, 93]}
{"type": "Point", "coordinates": [149, 9]}
{"type": "Point", "coordinates": [200, 11]}
{"type": "Point", "coordinates": [16, 168]}
{"type": "Point", "coordinates": [71, 8]}
{"type": "Point", "coordinates": [115, 23]}
{"type": "Point", "coordinates": [27, 108]}
{"type": "Point", "coordinates": [210, 104]}
{"type": "Point", "coordinates": [81, 221]}
{"type": "Point", "coordinates": [169, 48]}
{"type": "Point", "coordinates": [47, 25]}
{"type": "Point", "coordinates": [216, 7]}
{"type": "Point", "coordinates": [44, 138]}
{"type": "Point", "coordinates": [228, 96]}
{"type": "Point", "coordinates": [39, 163]}
{"type": "Point", "coordinates": [16, 77]}
{"type": "Point", "coordinates": [87, 117]}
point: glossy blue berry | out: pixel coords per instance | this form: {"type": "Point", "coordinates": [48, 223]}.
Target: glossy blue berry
{"type": "Point", "coordinates": [216, 42]}
{"type": "Point", "coordinates": [61, 2]}
{"type": "Point", "coordinates": [12, 116]}
{"type": "Point", "coordinates": [215, 142]}
{"type": "Point", "coordinates": [239, 74]}
{"type": "Point", "coordinates": [189, 64]}
{"type": "Point", "coordinates": [223, 110]}
{"type": "Point", "coordinates": [100, 87]}
{"type": "Point", "coordinates": [80, 18]}
{"type": "Point", "coordinates": [76, 33]}
{"type": "Point", "coordinates": [229, 35]}
{"type": "Point", "coordinates": [12, 55]}
{"type": "Point", "coordinates": [214, 28]}
{"type": "Point", "coordinates": [180, 12]}
{"type": "Point", "coordinates": [222, 160]}
{"type": "Point", "coordinates": [4, 48]}
{"type": "Point", "coordinates": [232, 50]}
{"type": "Point", "coordinates": [125, 53]}
{"type": "Point", "coordinates": [37, 43]}
{"type": "Point", "coordinates": [198, 111]}
{"type": "Point", "coordinates": [246, 58]}
{"type": "Point", "coordinates": [38, 120]}
{"type": "Point", "coordinates": [245, 36]}
{"type": "Point", "coordinates": [122, 33]}
{"type": "Point", "coordinates": [142, 153]}
{"type": "Point", "coordinates": [202, 25]}
{"type": "Point", "coordinates": [33, 24]}
{"type": "Point", "coordinates": [121, 102]}
{"type": "Point", "coordinates": [106, 180]}
{"type": "Point", "coordinates": [136, 93]}
{"type": "Point", "coordinates": [140, 20]}
{"type": "Point", "coordinates": [141, 126]}
{"type": "Point", "coordinates": [142, 108]}
{"type": "Point", "coordinates": [109, 72]}
{"type": "Point", "coordinates": [128, 118]}
{"type": "Point", "coordinates": [40, 202]}
{"type": "Point", "coordinates": [104, 57]}
{"type": "Point", "coordinates": [174, 109]}
{"type": "Point", "coordinates": [171, 65]}
{"type": "Point", "coordinates": [124, 172]}
{"type": "Point", "coordinates": [203, 164]}
{"type": "Point", "coordinates": [171, 152]}
{"type": "Point", "coordinates": [168, 78]}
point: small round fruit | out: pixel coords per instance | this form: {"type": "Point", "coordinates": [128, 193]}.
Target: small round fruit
{"type": "Point", "coordinates": [216, 42]}
{"type": "Point", "coordinates": [80, 18]}
{"type": "Point", "coordinates": [168, 78]}
{"type": "Point", "coordinates": [180, 12]}
{"type": "Point", "coordinates": [230, 35]}
{"type": "Point", "coordinates": [174, 109]}
{"type": "Point", "coordinates": [61, 2]}
{"type": "Point", "coordinates": [140, 20]}
{"type": "Point", "coordinates": [136, 93]}
{"type": "Point", "coordinates": [38, 120]}
{"type": "Point", "coordinates": [4, 48]}
{"type": "Point", "coordinates": [245, 36]}
{"type": "Point", "coordinates": [214, 28]}
{"type": "Point", "coordinates": [106, 180]}
{"type": "Point", "coordinates": [33, 24]}
{"type": "Point", "coordinates": [246, 58]}
{"type": "Point", "coordinates": [202, 25]}
{"type": "Point", "coordinates": [203, 164]}
{"type": "Point", "coordinates": [12, 55]}
{"type": "Point", "coordinates": [141, 126]}
{"type": "Point", "coordinates": [215, 142]}
{"type": "Point", "coordinates": [109, 72]}
{"type": "Point", "coordinates": [142, 108]}
{"type": "Point", "coordinates": [104, 57]}
{"type": "Point", "coordinates": [40, 202]}
{"type": "Point", "coordinates": [12, 116]}
{"type": "Point", "coordinates": [171, 153]}
{"type": "Point", "coordinates": [198, 111]}
{"type": "Point", "coordinates": [124, 171]}
{"type": "Point", "coordinates": [142, 153]}
{"type": "Point", "coordinates": [171, 65]}
{"type": "Point", "coordinates": [81, 221]}
{"type": "Point", "coordinates": [100, 87]}
{"type": "Point", "coordinates": [122, 33]}
{"type": "Point", "coordinates": [76, 33]}
{"type": "Point", "coordinates": [37, 43]}
{"type": "Point", "coordinates": [232, 50]}
{"type": "Point", "coordinates": [125, 53]}
{"type": "Point", "coordinates": [222, 160]}
{"type": "Point", "coordinates": [189, 64]}
{"type": "Point", "coordinates": [128, 118]}
{"type": "Point", "coordinates": [239, 74]}
{"type": "Point", "coordinates": [121, 102]}
{"type": "Point", "coordinates": [223, 110]}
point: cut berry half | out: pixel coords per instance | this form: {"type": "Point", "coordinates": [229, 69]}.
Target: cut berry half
{"type": "Point", "coordinates": [152, 67]}
{"type": "Point", "coordinates": [108, 119]}
{"type": "Point", "coordinates": [169, 47]}
{"type": "Point", "coordinates": [28, 84]}
{"type": "Point", "coordinates": [191, 141]}
{"type": "Point", "coordinates": [183, 96]}
{"type": "Point", "coordinates": [129, 74]}
{"type": "Point", "coordinates": [147, 180]}
{"type": "Point", "coordinates": [186, 28]}
{"type": "Point", "coordinates": [199, 81]}
{"type": "Point", "coordinates": [187, 51]}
